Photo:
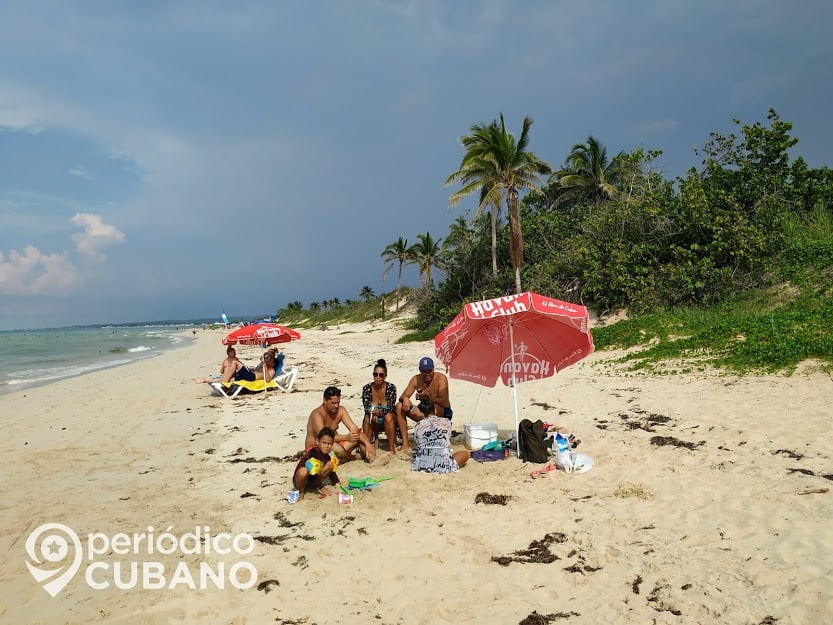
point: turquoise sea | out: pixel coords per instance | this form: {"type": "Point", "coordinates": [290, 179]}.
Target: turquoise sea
{"type": "Point", "coordinates": [36, 357]}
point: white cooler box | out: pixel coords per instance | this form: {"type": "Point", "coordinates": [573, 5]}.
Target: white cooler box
{"type": "Point", "coordinates": [479, 434]}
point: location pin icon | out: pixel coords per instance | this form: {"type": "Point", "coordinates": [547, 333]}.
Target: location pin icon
{"type": "Point", "coordinates": [50, 547]}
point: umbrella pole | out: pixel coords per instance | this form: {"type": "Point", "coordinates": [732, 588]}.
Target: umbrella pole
{"type": "Point", "coordinates": [515, 392]}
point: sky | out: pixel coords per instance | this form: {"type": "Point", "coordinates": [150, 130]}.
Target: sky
{"type": "Point", "coordinates": [176, 159]}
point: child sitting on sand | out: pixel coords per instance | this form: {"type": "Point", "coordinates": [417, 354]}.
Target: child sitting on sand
{"type": "Point", "coordinates": [433, 444]}
{"type": "Point", "coordinates": [317, 466]}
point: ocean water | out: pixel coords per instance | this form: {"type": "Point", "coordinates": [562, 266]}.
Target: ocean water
{"type": "Point", "coordinates": [35, 357]}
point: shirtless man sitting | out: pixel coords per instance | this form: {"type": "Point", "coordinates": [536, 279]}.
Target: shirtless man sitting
{"type": "Point", "coordinates": [428, 386]}
{"type": "Point", "coordinates": [331, 414]}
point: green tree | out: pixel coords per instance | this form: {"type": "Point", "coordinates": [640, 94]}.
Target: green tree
{"type": "Point", "coordinates": [459, 235]}
{"type": "Point", "coordinates": [367, 293]}
{"type": "Point", "coordinates": [498, 167]}
{"type": "Point", "coordinates": [479, 139]}
{"type": "Point", "coordinates": [397, 253]}
{"type": "Point", "coordinates": [588, 174]}
{"type": "Point", "coordinates": [426, 255]}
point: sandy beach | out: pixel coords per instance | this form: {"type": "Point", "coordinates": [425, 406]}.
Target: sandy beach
{"type": "Point", "coordinates": [709, 500]}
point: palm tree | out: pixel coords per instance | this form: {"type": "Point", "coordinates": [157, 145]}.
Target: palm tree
{"type": "Point", "coordinates": [587, 172]}
{"type": "Point", "coordinates": [480, 139]}
{"type": "Point", "coordinates": [494, 217]}
{"type": "Point", "coordinates": [367, 293]}
{"type": "Point", "coordinates": [459, 234]}
{"type": "Point", "coordinates": [499, 167]}
{"type": "Point", "coordinates": [396, 252]}
{"type": "Point", "coordinates": [426, 254]}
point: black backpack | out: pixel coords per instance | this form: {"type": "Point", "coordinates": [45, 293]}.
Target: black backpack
{"type": "Point", "coordinates": [533, 442]}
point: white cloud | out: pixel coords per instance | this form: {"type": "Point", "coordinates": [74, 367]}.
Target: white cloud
{"type": "Point", "coordinates": [80, 172]}
{"type": "Point", "coordinates": [35, 273]}
{"type": "Point", "coordinates": [32, 272]}
{"type": "Point", "coordinates": [96, 235]}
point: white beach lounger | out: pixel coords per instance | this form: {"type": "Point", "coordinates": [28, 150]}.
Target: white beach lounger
{"type": "Point", "coordinates": [286, 379]}
{"type": "Point", "coordinates": [241, 387]}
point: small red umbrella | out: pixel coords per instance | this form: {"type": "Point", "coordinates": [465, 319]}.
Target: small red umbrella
{"type": "Point", "coordinates": [515, 338]}
{"type": "Point", "coordinates": [261, 334]}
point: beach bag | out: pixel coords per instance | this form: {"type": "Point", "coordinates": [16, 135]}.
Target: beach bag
{"type": "Point", "coordinates": [532, 439]}
{"type": "Point", "coordinates": [563, 459]}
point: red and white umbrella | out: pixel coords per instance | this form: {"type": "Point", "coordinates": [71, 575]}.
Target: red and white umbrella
{"type": "Point", "coordinates": [515, 338]}
{"type": "Point", "coordinates": [261, 334]}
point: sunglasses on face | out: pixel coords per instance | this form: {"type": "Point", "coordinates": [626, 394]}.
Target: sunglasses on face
{"type": "Point", "coordinates": [378, 374]}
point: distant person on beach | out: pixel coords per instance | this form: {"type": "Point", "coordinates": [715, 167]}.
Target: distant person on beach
{"type": "Point", "coordinates": [231, 369]}
{"type": "Point", "coordinates": [433, 444]}
{"type": "Point", "coordinates": [317, 468]}
{"type": "Point", "coordinates": [331, 414]}
{"type": "Point", "coordinates": [429, 386]}
{"type": "Point", "coordinates": [379, 401]}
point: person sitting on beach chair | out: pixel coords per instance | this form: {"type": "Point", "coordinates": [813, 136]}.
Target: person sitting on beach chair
{"type": "Point", "coordinates": [379, 401]}
{"type": "Point", "coordinates": [428, 385]}
{"type": "Point", "coordinates": [231, 369]}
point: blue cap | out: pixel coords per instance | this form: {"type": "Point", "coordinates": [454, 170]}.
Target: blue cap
{"type": "Point", "coordinates": [426, 364]}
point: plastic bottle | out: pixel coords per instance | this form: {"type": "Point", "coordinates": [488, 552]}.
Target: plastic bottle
{"type": "Point", "coordinates": [563, 460]}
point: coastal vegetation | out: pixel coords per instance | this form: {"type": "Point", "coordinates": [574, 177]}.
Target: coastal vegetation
{"type": "Point", "coordinates": [730, 265]}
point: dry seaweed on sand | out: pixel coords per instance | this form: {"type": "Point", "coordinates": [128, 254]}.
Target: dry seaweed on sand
{"type": "Point", "coordinates": [789, 453]}
{"type": "Point", "coordinates": [279, 540]}
{"type": "Point", "coordinates": [268, 585]}
{"type": "Point", "coordinates": [499, 500]}
{"type": "Point", "coordinates": [545, 619]}
{"type": "Point", "coordinates": [581, 566]}
{"type": "Point", "coordinates": [280, 517]}
{"type": "Point", "coordinates": [537, 552]}
{"type": "Point", "coordinates": [250, 460]}
{"type": "Point", "coordinates": [675, 442]}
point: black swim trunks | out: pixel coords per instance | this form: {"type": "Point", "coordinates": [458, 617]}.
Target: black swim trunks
{"type": "Point", "coordinates": [244, 373]}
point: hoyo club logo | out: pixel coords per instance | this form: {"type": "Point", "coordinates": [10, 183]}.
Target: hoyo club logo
{"type": "Point", "coordinates": [525, 367]}
{"type": "Point", "coordinates": [55, 554]}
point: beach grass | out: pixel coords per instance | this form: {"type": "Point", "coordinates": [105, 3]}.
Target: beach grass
{"type": "Point", "coordinates": [763, 331]}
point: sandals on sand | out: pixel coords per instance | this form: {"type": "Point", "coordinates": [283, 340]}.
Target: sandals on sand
{"type": "Point", "coordinates": [542, 472]}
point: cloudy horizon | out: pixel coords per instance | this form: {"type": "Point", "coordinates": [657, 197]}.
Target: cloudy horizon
{"type": "Point", "coordinates": [170, 160]}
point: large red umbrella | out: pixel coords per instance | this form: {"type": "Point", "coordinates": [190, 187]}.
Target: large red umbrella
{"type": "Point", "coordinates": [515, 338]}
{"type": "Point", "coordinates": [261, 334]}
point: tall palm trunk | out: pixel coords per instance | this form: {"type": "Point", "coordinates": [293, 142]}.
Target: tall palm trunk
{"type": "Point", "coordinates": [398, 284]}
{"type": "Point", "coordinates": [516, 240]}
{"type": "Point", "coordinates": [493, 212]}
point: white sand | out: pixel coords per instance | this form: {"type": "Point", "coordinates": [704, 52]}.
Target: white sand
{"type": "Point", "coordinates": [733, 531]}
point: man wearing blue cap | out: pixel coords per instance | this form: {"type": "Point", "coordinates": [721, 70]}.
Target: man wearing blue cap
{"type": "Point", "coordinates": [428, 386]}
